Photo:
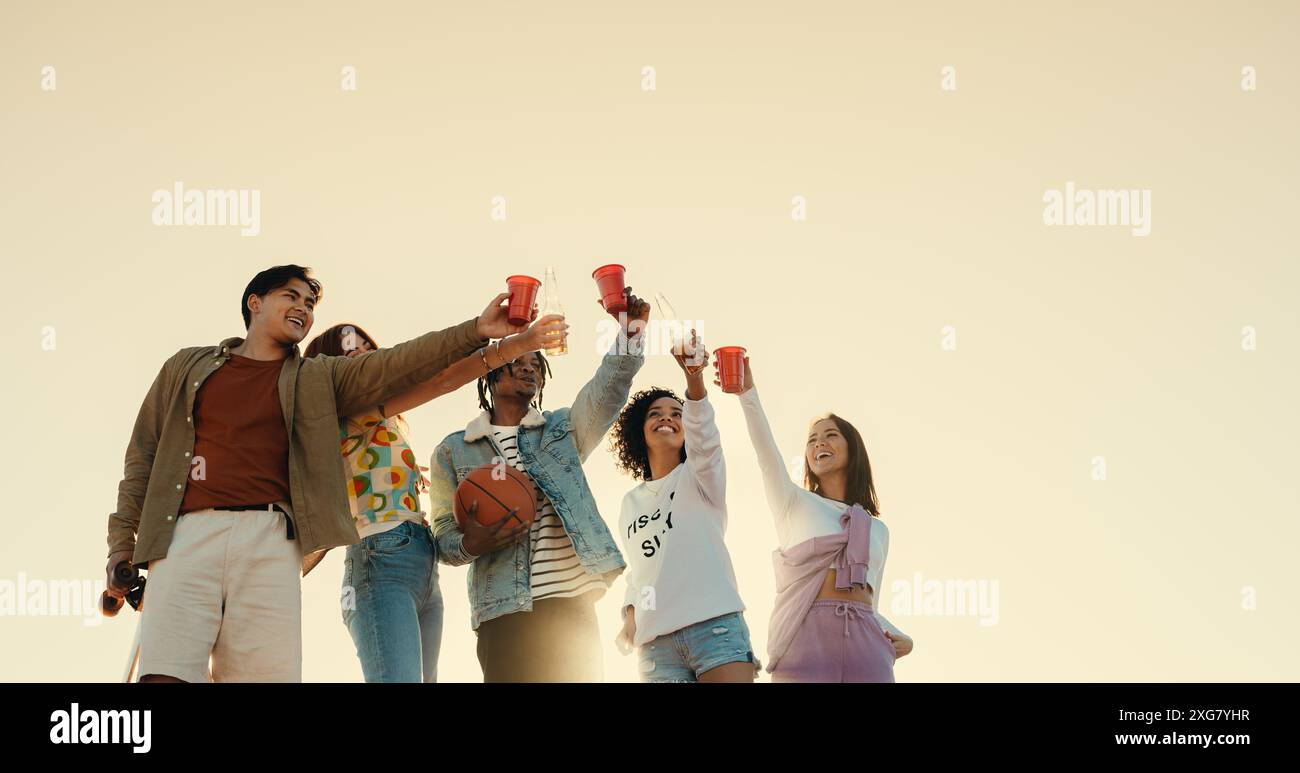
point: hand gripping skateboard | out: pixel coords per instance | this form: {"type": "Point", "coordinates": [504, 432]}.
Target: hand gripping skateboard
{"type": "Point", "coordinates": [126, 577]}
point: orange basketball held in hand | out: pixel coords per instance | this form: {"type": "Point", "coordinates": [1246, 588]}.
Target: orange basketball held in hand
{"type": "Point", "coordinates": [498, 489]}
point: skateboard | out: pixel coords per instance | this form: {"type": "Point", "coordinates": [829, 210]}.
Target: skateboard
{"type": "Point", "coordinates": [126, 577]}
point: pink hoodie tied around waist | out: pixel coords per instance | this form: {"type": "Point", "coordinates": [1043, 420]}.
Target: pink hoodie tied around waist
{"type": "Point", "coordinates": [799, 573]}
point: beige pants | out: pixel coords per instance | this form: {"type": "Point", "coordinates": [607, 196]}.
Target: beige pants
{"type": "Point", "coordinates": [229, 589]}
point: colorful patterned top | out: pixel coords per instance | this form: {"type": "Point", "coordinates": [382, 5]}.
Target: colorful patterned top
{"type": "Point", "coordinates": [384, 481]}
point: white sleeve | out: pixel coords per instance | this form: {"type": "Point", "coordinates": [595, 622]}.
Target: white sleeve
{"type": "Point", "coordinates": [877, 569]}
{"type": "Point", "coordinates": [876, 565]}
{"type": "Point", "coordinates": [630, 590]}
{"type": "Point", "coordinates": [704, 451]}
{"type": "Point", "coordinates": [780, 490]}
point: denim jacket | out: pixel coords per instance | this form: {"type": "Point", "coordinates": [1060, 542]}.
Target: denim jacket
{"type": "Point", "coordinates": [552, 446]}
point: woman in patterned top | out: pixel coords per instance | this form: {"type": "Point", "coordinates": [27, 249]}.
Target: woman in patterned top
{"type": "Point", "coordinates": [392, 605]}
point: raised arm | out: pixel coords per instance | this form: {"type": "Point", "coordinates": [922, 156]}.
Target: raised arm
{"type": "Point", "coordinates": [780, 489]}
{"type": "Point", "coordinates": [369, 379]}
{"type": "Point", "coordinates": [703, 443]}
{"type": "Point", "coordinates": [545, 332]}
{"type": "Point", "coordinates": [600, 399]}
{"type": "Point", "coordinates": [704, 450]}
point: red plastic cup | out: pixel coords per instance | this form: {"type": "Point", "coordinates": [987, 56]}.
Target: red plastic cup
{"type": "Point", "coordinates": [523, 292]}
{"type": "Point", "coordinates": [609, 280]}
{"type": "Point", "coordinates": [731, 368]}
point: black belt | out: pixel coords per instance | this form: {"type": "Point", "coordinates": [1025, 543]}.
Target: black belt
{"type": "Point", "coordinates": [269, 507]}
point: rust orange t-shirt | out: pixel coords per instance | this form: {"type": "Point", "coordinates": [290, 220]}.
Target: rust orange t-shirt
{"type": "Point", "coordinates": [241, 446]}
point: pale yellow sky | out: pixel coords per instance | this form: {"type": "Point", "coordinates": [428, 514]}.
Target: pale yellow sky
{"type": "Point", "coordinates": [924, 210]}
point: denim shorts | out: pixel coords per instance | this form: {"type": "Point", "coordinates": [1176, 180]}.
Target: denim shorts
{"type": "Point", "coordinates": [684, 654]}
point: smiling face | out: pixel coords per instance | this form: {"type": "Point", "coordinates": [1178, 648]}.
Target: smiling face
{"type": "Point", "coordinates": [284, 314]}
{"type": "Point", "coordinates": [827, 450]}
{"type": "Point", "coordinates": [521, 380]}
{"type": "Point", "coordinates": [663, 425]}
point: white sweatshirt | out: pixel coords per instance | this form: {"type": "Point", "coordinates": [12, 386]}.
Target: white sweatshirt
{"type": "Point", "coordinates": [800, 514]}
{"type": "Point", "coordinates": [678, 569]}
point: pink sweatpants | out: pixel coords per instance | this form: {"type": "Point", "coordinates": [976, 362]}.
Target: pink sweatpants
{"type": "Point", "coordinates": [838, 641]}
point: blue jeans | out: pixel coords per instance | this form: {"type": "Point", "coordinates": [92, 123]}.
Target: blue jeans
{"type": "Point", "coordinates": [395, 617]}
{"type": "Point", "coordinates": [684, 654]}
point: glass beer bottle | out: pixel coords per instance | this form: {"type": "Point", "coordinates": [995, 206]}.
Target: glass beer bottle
{"type": "Point", "coordinates": [552, 306]}
{"type": "Point", "coordinates": [679, 335]}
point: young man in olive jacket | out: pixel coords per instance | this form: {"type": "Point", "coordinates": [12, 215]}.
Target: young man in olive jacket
{"type": "Point", "coordinates": [234, 482]}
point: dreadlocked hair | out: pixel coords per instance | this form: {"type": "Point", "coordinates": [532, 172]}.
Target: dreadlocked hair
{"type": "Point", "coordinates": [627, 441]}
{"type": "Point", "coordinates": [490, 379]}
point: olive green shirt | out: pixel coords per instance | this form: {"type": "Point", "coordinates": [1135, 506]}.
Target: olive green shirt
{"type": "Point", "coordinates": [314, 392]}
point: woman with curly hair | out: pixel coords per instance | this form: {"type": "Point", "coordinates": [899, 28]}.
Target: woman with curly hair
{"type": "Point", "coordinates": [682, 610]}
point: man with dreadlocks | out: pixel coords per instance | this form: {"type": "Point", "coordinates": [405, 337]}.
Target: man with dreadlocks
{"type": "Point", "coordinates": [533, 589]}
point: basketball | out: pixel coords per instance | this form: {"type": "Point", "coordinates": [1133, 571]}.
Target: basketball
{"type": "Point", "coordinates": [497, 489]}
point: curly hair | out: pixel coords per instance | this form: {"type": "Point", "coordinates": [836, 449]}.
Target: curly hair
{"type": "Point", "coordinates": [627, 441]}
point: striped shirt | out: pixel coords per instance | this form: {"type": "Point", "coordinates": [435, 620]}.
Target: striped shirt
{"type": "Point", "coordinates": [556, 571]}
